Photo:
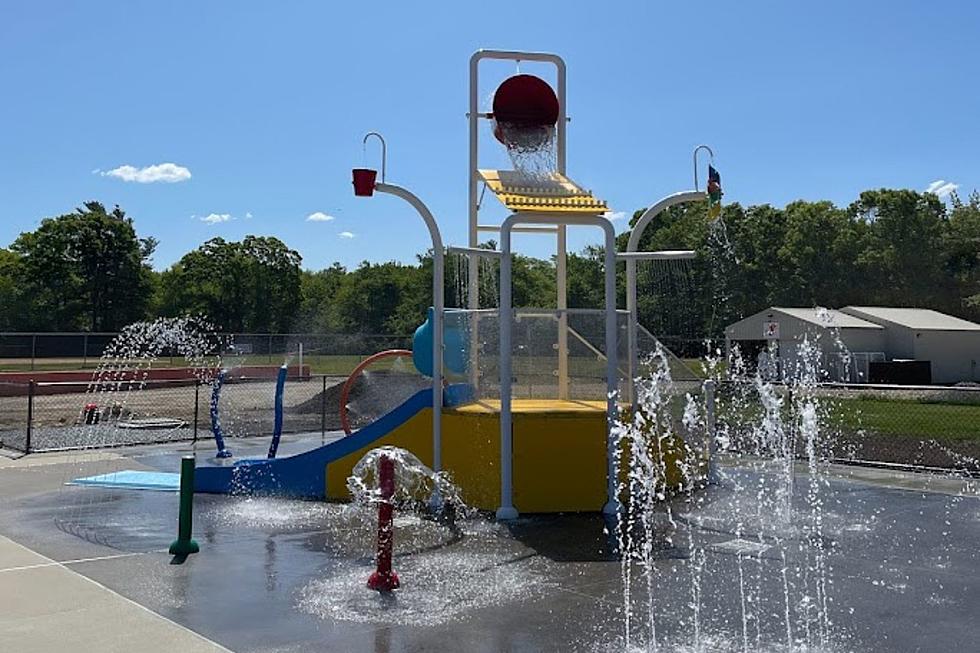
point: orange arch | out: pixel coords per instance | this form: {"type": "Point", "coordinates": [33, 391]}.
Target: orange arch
{"type": "Point", "coordinates": [348, 384]}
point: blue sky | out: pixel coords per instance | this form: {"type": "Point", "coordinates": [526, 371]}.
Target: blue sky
{"type": "Point", "coordinates": [264, 106]}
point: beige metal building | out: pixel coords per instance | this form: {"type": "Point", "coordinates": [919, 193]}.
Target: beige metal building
{"type": "Point", "coordinates": [867, 333]}
{"type": "Point", "coordinates": [950, 344]}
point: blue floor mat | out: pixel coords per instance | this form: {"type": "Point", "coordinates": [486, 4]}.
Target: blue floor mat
{"type": "Point", "coordinates": [133, 480]}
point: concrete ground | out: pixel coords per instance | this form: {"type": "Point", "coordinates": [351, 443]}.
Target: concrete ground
{"type": "Point", "coordinates": [85, 569]}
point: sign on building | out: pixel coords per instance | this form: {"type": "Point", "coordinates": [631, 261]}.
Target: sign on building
{"type": "Point", "coordinates": [770, 330]}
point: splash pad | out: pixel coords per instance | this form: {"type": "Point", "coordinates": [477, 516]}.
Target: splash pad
{"type": "Point", "coordinates": [783, 553]}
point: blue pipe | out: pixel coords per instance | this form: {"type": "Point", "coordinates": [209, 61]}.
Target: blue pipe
{"type": "Point", "coordinates": [277, 427]}
{"type": "Point", "coordinates": [219, 439]}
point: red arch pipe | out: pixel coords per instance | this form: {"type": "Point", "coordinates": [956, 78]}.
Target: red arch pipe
{"type": "Point", "coordinates": [349, 383]}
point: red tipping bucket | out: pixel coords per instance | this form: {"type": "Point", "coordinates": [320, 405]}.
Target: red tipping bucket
{"type": "Point", "coordinates": [524, 102]}
{"type": "Point", "coordinates": [364, 179]}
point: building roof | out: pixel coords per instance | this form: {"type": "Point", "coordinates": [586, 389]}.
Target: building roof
{"type": "Point", "coordinates": [821, 317]}
{"type": "Point", "coordinates": [826, 317]}
{"type": "Point", "coordinates": [920, 319]}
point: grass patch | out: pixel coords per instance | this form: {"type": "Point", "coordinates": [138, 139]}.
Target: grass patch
{"type": "Point", "coordinates": [911, 419]}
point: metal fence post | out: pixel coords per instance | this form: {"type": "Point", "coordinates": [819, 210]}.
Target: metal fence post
{"type": "Point", "coordinates": [270, 349]}
{"type": "Point", "coordinates": [711, 426]}
{"type": "Point", "coordinates": [85, 350]}
{"type": "Point", "coordinates": [197, 403]}
{"type": "Point", "coordinates": [33, 349]}
{"type": "Point", "coordinates": [30, 415]}
{"type": "Point", "coordinates": [323, 411]}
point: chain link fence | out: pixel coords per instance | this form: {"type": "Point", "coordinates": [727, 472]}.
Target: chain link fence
{"type": "Point", "coordinates": [48, 416]}
{"type": "Point", "coordinates": [920, 427]}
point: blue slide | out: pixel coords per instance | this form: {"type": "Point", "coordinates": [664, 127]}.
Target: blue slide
{"type": "Point", "coordinates": [303, 476]}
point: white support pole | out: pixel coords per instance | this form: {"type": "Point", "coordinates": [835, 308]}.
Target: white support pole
{"type": "Point", "coordinates": [612, 385]}
{"type": "Point", "coordinates": [438, 309]}
{"type": "Point", "coordinates": [631, 247]}
{"type": "Point", "coordinates": [473, 264]}
{"type": "Point", "coordinates": [711, 426]}
{"type": "Point", "coordinates": [561, 265]}
{"type": "Point", "coordinates": [507, 509]}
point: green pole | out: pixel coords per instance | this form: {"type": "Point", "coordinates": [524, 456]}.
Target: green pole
{"type": "Point", "coordinates": [184, 545]}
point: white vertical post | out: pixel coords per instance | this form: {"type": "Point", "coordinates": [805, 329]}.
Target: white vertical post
{"type": "Point", "coordinates": [506, 509]}
{"type": "Point", "coordinates": [561, 265]}
{"type": "Point", "coordinates": [612, 355]}
{"type": "Point", "coordinates": [300, 359]}
{"type": "Point", "coordinates": [473, 262]}
{"type": "Point", "coordinates": [562, 262]}
{"type": "Point", "coordinates": [633, 354]}
{"type": "Point", "coordinates": [711, 426]}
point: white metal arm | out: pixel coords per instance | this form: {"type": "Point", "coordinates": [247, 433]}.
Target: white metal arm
{"type": "Point", "coordinates": [631, 256]}
{"type": "Point", "coordinates": [438, 268]}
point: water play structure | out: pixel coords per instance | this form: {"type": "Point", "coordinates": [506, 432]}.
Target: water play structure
{"type": "Point", "coordinates": [511, 447]}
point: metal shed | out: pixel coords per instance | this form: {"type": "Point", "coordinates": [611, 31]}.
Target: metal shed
{"type": "Point", "coordinates": [950, 344]}
{"type": "Point", "coordinates": [786, 327]}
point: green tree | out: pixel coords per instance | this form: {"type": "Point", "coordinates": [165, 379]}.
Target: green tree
{"type": "Point", "coordinates": [902, 262]}
{"type": "Point", "coordinates": [818, 256]}
{"type": "Point", "coordinates": [318, 299]}
{"type": "Point", "coordinates": [963, 252]}
{"type": "Point", "coordinates": [253, 285]}
{"type": "Point", "coordinates": [85, 270]}
{"type": "Point", "coordinates": [381, 298]}
{"type": "Point", "coordinates": [13, 310]}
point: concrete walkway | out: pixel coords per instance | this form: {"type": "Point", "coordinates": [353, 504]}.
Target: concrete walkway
{"type": "Point", "coordinates": [45, 607]}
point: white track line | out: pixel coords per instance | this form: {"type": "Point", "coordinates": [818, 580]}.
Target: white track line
{"type": "Point", "coordinates": [54, 563]}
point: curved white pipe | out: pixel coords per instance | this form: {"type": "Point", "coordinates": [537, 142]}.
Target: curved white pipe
{"type": "Point", "coordinates": [438, 308]}
{"type": "Point", "coordinates": [631, 248]}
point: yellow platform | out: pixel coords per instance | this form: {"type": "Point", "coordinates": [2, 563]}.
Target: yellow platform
{"type": "Point", "coordinates": [554, 193]}
{"type": "Point", "coordinates": [559, 453]}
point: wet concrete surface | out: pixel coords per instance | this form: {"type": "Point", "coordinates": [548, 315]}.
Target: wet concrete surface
{"type": "Point", "coordinates": [278, 576]}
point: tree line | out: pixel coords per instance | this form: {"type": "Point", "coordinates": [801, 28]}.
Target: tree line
{"type": "Point", "coordinates": [89, 270]}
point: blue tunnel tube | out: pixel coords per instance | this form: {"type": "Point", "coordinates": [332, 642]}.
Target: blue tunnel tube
{"type": "Point", "coordinates": [455, 347]}
{"type": "Point", "coordinates": [277, 426]}
{"type": "Point", "coordinates": [219, 439]}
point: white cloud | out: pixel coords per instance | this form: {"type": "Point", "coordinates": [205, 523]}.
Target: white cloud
{"type": "Point", "coordinates": [942, 188]}
{"type": "Point", "coordinates": [166, 172]}
{"type": "Point", "coordinates": [216, 218]}
{"type": "Point", "coordinates": [614, 215]}
{"type": "Point", "coordinates": [248, 215]}
{"type": "Point", "coordinates": [319, 216]}
{"type": "Point", "coordinates": [346, 234]}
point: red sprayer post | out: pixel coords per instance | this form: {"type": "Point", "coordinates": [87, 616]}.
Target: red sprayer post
{"type": "Point", "coordinates": [384, 579]}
